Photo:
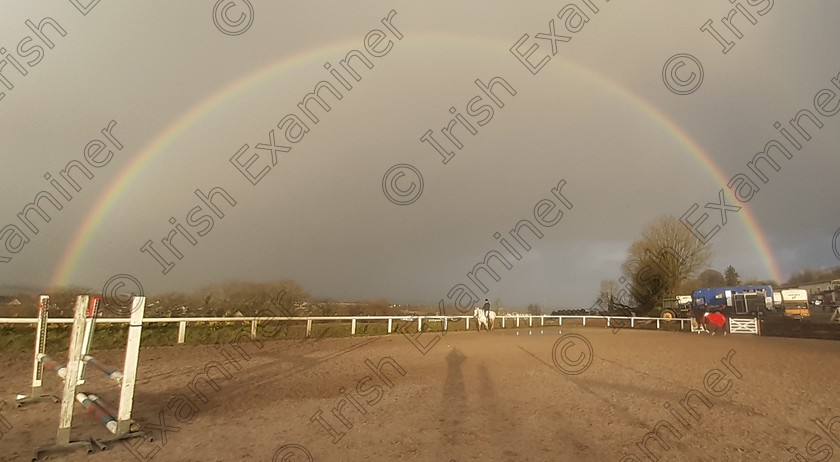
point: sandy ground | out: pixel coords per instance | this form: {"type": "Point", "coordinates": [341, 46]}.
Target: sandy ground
{"type": "Point", "coordinates": [539, 395]}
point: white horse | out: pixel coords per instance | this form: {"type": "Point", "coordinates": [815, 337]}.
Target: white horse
{"type": "Point", "coordinates": [481, 320]}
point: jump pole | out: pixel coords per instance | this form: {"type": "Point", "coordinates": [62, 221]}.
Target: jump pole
{"type": "Point", "coordinates": [134, 427]}
{"type": "Point", "coordinates": [97, 411]}
{"type": "Point", "coordinates": [61, 371]}
{"type": "Point", "coordinates": [112, 374]}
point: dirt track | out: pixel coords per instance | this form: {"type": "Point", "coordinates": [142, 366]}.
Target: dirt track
{"type": "Point", "coordinates": [472, 397]}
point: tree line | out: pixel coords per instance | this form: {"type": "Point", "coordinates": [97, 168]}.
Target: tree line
{"type": "Point", "coordinates": [231, 298]}
{"type": "Point", "coordinates": [668, 260]}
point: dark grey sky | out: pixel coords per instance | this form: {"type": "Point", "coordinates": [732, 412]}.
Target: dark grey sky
{"type": "Point", "coordinates": [186, 96]}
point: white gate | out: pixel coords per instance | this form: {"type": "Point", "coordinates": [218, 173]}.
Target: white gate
{"type": "Point", "coordinates": [743, 326]}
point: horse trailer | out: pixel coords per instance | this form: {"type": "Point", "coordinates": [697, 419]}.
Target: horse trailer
{"type": "Point", "coordinates": [737, 301]}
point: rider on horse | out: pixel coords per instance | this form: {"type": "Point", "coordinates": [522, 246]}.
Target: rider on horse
{"type": "Point", "coordinates": [486, 308]}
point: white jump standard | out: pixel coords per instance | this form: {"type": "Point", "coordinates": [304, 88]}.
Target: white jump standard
{"type": "Point", "coordinates": [119, 424]}
{"type": "Point", "coordinates": [41, 346]}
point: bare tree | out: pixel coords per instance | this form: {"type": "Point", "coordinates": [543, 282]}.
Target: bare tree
{"type": "Point", "coordinates": [666, 255]}
{"type": "Point", "coordinates": [610, 288]}
{"type": "Point", "coordinates": [690, 285]}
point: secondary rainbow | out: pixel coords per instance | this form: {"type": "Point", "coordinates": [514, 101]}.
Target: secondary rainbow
{"type": "Point", "coordinates": [121, 183]}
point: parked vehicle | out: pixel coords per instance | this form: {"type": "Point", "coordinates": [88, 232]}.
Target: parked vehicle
{"type": "Point", "coordinates": [737, 301]}
{"type": "Point", "coordinates": [829, 299]}
{"type": "Point", "coordinates": [792, 302]}
{"type": "Point", "coordinates": [674, 307]}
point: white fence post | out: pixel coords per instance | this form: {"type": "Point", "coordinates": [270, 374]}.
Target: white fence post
{"type": "Point", "coordinates": [308, 328]}
{"type": "Point", "coordinates": [419, 324]}
{"type": "Point", "coordinates": [182, 331]}
{"type": "Point", "coordinates": [353, 326]}
{"type": "Point", "coordinates": [390, 325]}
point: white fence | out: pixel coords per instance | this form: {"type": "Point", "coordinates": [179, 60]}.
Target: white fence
{"type": "Point", "coordinates": [616, 322]}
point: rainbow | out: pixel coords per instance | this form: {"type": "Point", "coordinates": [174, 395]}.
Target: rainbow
{"type": "Point", "coordinates": [83, 237]}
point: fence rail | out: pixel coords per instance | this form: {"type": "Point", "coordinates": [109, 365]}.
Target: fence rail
{"type": "Point", "coordinates": [503, 321]}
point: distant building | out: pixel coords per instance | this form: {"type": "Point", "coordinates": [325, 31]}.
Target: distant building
{"type": "Point", "coordinates": [9, 301]}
